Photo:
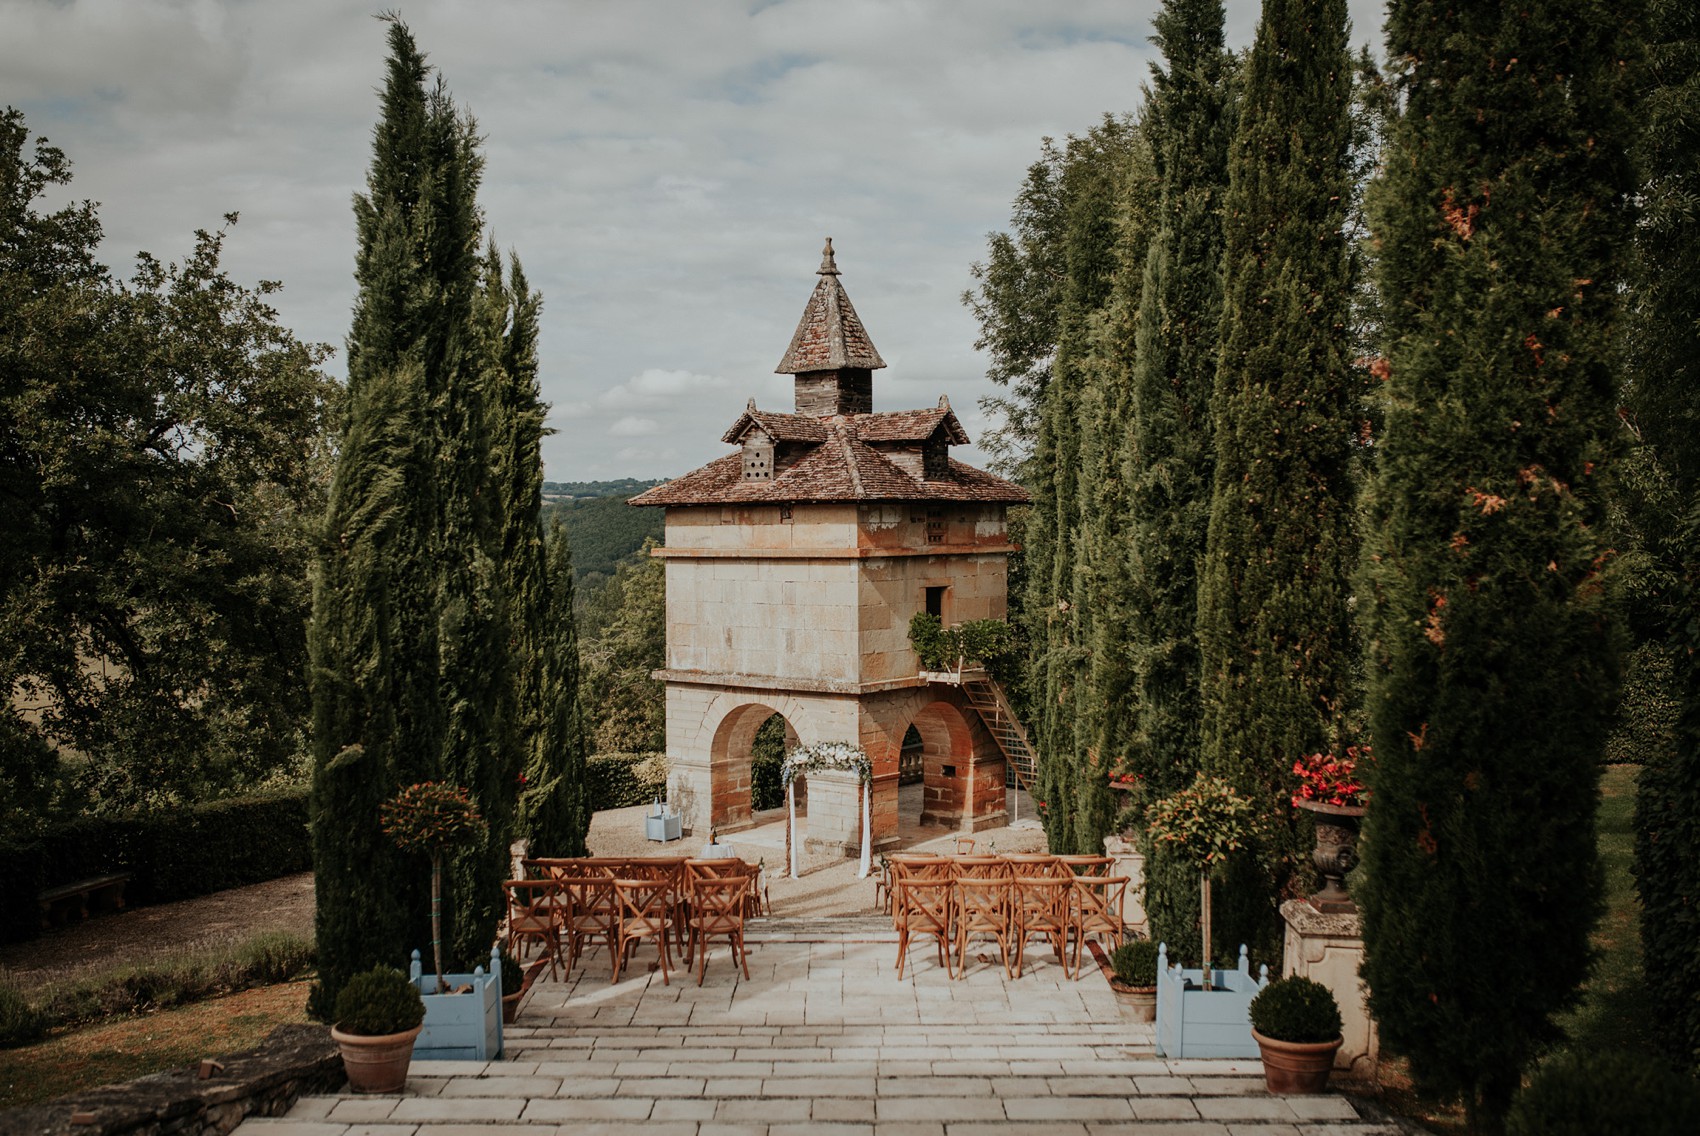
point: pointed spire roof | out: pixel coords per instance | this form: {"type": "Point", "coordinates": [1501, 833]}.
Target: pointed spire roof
{"type": "Point", "coordinates": [830, 335]}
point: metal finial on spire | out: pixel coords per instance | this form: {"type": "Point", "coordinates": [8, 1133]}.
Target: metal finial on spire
{"type": "Point", "coordinates": [944, 402]}
{"type": "Point", "coordinates": [752, 405]}
{"type": "Point", "coordinates": [827, 266]}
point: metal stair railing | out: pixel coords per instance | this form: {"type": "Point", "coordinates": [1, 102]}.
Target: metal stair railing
{"type": "Point", "coordinates": [986, 696]}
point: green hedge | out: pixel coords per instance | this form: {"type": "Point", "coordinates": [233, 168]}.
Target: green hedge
{"type": "Point", "coordinates": [171, 854]}
{"type": "Point", "coordinates": [620, 780]}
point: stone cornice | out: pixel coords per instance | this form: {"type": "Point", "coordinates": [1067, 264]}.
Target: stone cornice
{"type": "Point", "coordinates": [782, 683]}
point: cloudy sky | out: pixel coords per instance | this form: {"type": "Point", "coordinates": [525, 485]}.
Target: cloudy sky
{"type": "Point", "coordinates": [666, 169]}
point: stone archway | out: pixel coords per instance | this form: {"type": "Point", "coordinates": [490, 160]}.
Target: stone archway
{"type": "Point", "coordinates": [732, 774]}
{"type": "Point", "coordinates": [947, 763]}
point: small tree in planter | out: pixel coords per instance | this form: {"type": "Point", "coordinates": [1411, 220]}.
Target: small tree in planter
{"type": "Point", "coordinates": [1206, 822]}
{"type": "Point", "coordinates": [433, 818]}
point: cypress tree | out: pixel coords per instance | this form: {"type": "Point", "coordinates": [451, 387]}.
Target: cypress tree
{"type": "Point", "coordinates": [412, 637]}
{"type": "Point", "coordinates": [1273, 632]}
{"type": "Point", "coordinates": [1076, 795]}
{"type": "Point", "coordinates": [554, 813]}
{"type": "Point", "coordinates": [1665, 395]}
{"type": "Point", "coordinates": [1152, 716]}
{"type": "Point", "coordinates": [1492, 655]}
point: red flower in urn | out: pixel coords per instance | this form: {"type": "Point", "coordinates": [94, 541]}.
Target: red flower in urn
{"type": "Point", "coordinates": [1327, 779]}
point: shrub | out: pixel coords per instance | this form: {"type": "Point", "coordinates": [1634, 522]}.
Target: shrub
{"type": "Point", "coordinates": [1135, 962]}
{"type": "Point", "coordinates": [989, 642]}
{"type": "Point", "coordinates": [1605, 1094]}
{"type": "Point", "coordinates": [377, 1002]}
{"type": "Point", "coordinates": [1296, 1009]}
{"type": "Point", "coordinates": [620, 780]}
{"type": "Point", "coordinates": [513, 973]}
{"type": "Point", "coordinates": [20, 1023]}
{"type": "Point", "coordinates": [170, 855]}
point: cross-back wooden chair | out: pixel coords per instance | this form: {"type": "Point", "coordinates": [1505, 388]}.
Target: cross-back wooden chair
{"type": "Point", "coordinates": [717, 909]}
{"type": "Point", "coordinates": [642, 915]}
{"type": "Point", "coordinates": [1040, 906]}
{"type": "Point", "coordinates": [533, 918]}
{"type": "Point", "coordinates": [1087, 865]}
{"type": "Point", "coordinates": [979, 866]}
{"type": "Point", "coordinates": [922, 907]}
{"type": "Point", "coordinates": [913, 865]}
{"type": "Point", "coordinates": [1036, 864]}
{"type": "Point", "coordinates": [964, 845]}
{"type": "Point", "coordinates": [1096, 910]}
{"type": "Point", "coordinates": [981, 908]}
{"type": "Point", "coordinates": [589, 911]}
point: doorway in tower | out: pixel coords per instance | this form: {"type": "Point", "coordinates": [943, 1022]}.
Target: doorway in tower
{"type": "Point", "coordinates": [934, 773]}
{"type": "Point", "coordinates": [773, 740]}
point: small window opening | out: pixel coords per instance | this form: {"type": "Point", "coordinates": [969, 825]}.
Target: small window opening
{"type": "Point", "coordinates": [935, 602]}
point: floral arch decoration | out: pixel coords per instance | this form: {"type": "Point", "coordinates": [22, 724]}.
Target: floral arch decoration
{"type": "Point", "coordinates": [820, 757]}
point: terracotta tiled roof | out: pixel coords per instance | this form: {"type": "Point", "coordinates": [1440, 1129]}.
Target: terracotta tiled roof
{"type": "Point", "coordinates": [781, 427]}
{"type": "Point", "coordinates": [843, 467]}
{"type": "Point", "coordinates": [910, 426]}
{"type": "Point", "coordinates": [830, 335]}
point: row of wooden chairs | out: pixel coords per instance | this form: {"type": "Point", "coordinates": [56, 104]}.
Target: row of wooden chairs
{"type": "Point", "coordinates": [567, 904]}
{"type": "Point", "coordinates": [1010, 899]}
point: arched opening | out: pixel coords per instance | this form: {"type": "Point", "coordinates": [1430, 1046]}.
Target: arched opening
{"type": "Point", "coordinates": [748, 747]}
{"type": "Point", "coordinates": [773, 740]}
{"type": "Point", "coordinates": [942, 757]}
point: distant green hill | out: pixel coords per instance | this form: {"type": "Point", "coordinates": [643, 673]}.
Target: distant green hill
{"type": "Point", "coordinates": [624, 487]}
{"type": "Point", "coordinates": [603, 530]}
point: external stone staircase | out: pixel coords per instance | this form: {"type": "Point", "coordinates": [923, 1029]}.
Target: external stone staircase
{"type": "Point", "coordinates": [823, 1040]}
{"type": "Point", "coordinates": [986, 696]}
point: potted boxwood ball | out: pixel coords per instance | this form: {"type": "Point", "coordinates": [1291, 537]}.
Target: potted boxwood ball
{"type": "Point", "coordinates": [1296, 1024]}
{"type": "Point", "coordinates": [378, 1016]}
{"type": "Point", "coordinates": [1133, 976]}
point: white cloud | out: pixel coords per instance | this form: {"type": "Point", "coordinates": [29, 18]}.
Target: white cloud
{"type": "Point", "coordinates": [630, 427]}
{"type": "Point", "coordinates": [665, 168]}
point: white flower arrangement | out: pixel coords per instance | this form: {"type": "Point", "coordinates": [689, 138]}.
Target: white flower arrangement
{"type": "Point", "coordinates": [826, 756]}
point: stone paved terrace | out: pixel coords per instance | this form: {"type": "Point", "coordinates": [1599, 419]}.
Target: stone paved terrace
{"type": "Point", "coordinates": [824, 1040]}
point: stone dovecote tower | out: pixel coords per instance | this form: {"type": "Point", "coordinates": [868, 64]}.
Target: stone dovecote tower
{"type": "Point", "coordinates": [793, 568]}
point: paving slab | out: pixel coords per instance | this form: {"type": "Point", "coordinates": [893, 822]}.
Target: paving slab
{"type": "Point", "coordinates": [823, 1039]}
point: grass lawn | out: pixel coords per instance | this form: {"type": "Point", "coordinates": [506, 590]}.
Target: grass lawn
{"type": "Point", "coordinates": [68, 1060]}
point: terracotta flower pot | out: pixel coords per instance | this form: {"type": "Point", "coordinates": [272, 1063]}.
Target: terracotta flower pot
{"type": "Point", "coordinates": [376, 1064]}
{"type": "Point", "coordinates": [1296, 1067]}
{"type": "Point", "coordinates": [1142, 1000]}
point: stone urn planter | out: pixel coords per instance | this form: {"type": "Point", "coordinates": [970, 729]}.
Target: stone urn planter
{"type": "Point", "coordinates": [1335, 855]}
{"type": "Point", "coordinates": [1296, 1067]}
{"type": "Point", "coordinates": [376, 1064]}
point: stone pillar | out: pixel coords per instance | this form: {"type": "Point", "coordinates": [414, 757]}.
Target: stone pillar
{"type": "Point", "coordinates": [835, 812]}
{"type": "Point", "coordinates": [690, 792]}
{"type": "Point", "coordinates": [1129, 863]}
{"type": "Point", "coordinates": [1328, 949]}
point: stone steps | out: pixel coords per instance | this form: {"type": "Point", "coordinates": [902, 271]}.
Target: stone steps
{"type": "Point", "coordinates": [823, 1040]}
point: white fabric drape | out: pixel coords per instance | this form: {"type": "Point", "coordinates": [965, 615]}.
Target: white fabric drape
{"type": "Point", "coordinates": [867, 830]}
{"type": "Point", "coordinates": [791, 828]}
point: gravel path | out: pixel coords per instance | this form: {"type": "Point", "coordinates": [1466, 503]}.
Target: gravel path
{"type": "Point", "coordinates": [829, 887]}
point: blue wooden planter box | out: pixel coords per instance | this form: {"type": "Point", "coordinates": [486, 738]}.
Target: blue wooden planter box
{"type": "Point", "coordinates": [461, 1027]}
{"type": "Point", "coordinates": [1206, 1023]}
{"type": "Point", "coordinates": [663, 827]}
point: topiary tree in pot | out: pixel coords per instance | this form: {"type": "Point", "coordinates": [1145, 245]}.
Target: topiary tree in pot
{"type": "Point", "coordinates": [436, 819]}
{"type": "Point", "coordinates": [378, 1016]}
{"type": "Point", "coordinates": [1206, 822]}
{"type": "Point", "coordinates": [1296, 1024]}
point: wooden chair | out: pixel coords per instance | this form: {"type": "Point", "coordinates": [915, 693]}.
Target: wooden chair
{"type": "Point", "coordinates": [642, 915]}
{"type": "Point", "coordinates": [981, 908]}
{"type": "Point", "coordinates": [1036, 864]}
{"type": "Point", "coordinates": [964, 845]}
{"type": "Point", "coordinates": [1039, 905]}
{"type": "Point", "coordinates": [533, 918]}
{"type": "Point", "coordinates": [717, 908]}
{"type": "Point", "coordinates": [1087, 865]}
{"type": "Point", "coordinates": [922, 907]}
{"type": "Point", "coordinates": [589, 910]}
{"type": "Point", "coordinates": [1096, 910]}
{"type": "Point", "coordinates": [912, 865]}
